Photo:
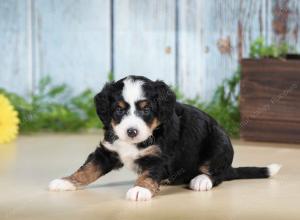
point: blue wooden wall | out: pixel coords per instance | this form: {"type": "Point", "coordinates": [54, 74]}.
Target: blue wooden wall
{"type": "Point", "coordinates": [193, 44]}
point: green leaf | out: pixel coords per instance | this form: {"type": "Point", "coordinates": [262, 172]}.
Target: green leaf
{"type": "Point", "coordinates": [258, 49]}
{"type": "Point", "coordinates": [110, 76]}
{"type": "Point", "coordinates": [57, 90]}
{"type": "Point", "coordinates": [43, 83]}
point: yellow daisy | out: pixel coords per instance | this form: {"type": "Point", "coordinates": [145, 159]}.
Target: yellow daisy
{"type": "Point", "coordinates": [9, 121]}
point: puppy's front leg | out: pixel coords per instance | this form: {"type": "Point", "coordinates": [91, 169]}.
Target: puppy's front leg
{"type": "Point", "coordinates": [98, 163]}
{"type": "Point", "coordinates": [147, 184]}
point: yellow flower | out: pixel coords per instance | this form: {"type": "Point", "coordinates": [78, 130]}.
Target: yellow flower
{"type": "Point", "coordinates": [9, 121]}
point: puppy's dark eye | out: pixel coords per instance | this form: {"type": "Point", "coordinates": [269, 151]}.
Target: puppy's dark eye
{"type": "Point", "coordinates": [146, 110]}
{"type": "Point", "coordinates": [120, 111]}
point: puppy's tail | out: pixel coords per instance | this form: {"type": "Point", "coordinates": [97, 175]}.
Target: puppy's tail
{"type": "Point", "coordinates": [252, 172]}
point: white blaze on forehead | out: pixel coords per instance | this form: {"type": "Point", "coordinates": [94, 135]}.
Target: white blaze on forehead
{"type": "Point", "coordinates": [132, 91]}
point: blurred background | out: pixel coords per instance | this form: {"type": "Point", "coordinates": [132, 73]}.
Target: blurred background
{"type": "Point", "coordinates": [55, 55]}
{"type": "Point", "coordinates": [237, 60]}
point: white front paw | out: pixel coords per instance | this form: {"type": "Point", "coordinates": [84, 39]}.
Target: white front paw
{"type": "Point", "coordinates": [61, 185]}
{"type": "Point", "coordinates": [201, 183]}
{"type": "Point", "coordinates": [138, 193]}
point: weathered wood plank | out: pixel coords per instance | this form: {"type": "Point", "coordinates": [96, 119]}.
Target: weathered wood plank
{"type": "Point", "coordinates": [145, 39]}
{"type": "Point", "coordinates": [214, 35]}
{"type": "Point", "coordinates": [14, 75]}
{"type": "Point", "coordinates": [283, 22]}
{"type": "Point", "coordinates": [72, 42]}
{"type": "Point", "coordinates": [191, 48]}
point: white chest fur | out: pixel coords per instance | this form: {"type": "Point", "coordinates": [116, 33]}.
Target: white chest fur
{"type": "Point", "coordinates": [128, 153]}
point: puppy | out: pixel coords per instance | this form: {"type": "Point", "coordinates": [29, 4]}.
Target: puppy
{"type": "Point", "coordinates": [160, 139]}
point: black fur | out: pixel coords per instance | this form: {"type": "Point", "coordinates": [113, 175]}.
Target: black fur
{"type": "Point", "coordinates": [105, 159]}
{"type": "Point", "coordinates": [187, 137]}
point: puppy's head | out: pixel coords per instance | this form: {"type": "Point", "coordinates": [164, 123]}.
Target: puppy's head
{"type": "Point", "coordinates": [134, 107]}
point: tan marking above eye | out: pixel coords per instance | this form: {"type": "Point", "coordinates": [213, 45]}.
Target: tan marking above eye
{"type": "Point", "coordinates": [142, 104]}
{"type": "Point", "coordinates": [121, 104]}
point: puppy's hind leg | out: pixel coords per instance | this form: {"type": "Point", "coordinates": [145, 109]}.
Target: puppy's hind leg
{"type": "Point", "coordinates": [218, 156]}
{"type": "Point", "coordinates": [205, 182]}
{"type": "Point", "coordinates": [97, 164]}
{"type": "Point", "coordinates": [202, 182]}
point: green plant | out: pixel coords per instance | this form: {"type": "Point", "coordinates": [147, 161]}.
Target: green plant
{"type": "Point", "coordinates": [224, 106]}
{"type": "Point", "coordinates": [110, 77]}
{"type": "Point", "coordinates": [52, 109]}
{"type": "Point", "coordinates": [258, 49]}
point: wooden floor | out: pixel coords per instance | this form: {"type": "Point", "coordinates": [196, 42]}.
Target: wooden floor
{"type": "Point", "coordinates": [27, 166]}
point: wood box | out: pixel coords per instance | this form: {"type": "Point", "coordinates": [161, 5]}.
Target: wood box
{"type": "Point", "coordinates": [270, 100]}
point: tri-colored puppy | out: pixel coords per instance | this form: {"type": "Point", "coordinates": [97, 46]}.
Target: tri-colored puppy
{"type": "Point", "coordinates": [159, 138]}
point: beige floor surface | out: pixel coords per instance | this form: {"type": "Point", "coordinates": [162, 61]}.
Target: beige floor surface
{"type": "Point", "coordinates": [27, 166]}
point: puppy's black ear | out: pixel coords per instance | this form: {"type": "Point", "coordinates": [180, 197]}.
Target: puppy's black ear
{"type": "Point", "coordinates": [166, 99]}
{"type": "Point", "coordinates": [102, 103]}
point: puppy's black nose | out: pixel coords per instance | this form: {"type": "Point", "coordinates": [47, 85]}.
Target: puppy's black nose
{"type": "Point", "coordinates": [132, 132]}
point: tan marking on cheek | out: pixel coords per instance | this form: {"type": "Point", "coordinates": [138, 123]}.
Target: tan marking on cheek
{"type": "Point", "coordinates": [154, 124]}
{"type": "Point", "coordinates": [84, 175]}
{"type": "Point", "coordinates": [152, 150]}
{"type": "Point", "coordinates": [113, 123]}
{"type": "Point", "coordinates": [145, 181]}
{"type": "Point", "coordinates": [204, 168]}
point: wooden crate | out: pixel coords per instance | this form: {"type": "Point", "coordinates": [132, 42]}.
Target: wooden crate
{"type": "Point", "coordinates": [270, 100]}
